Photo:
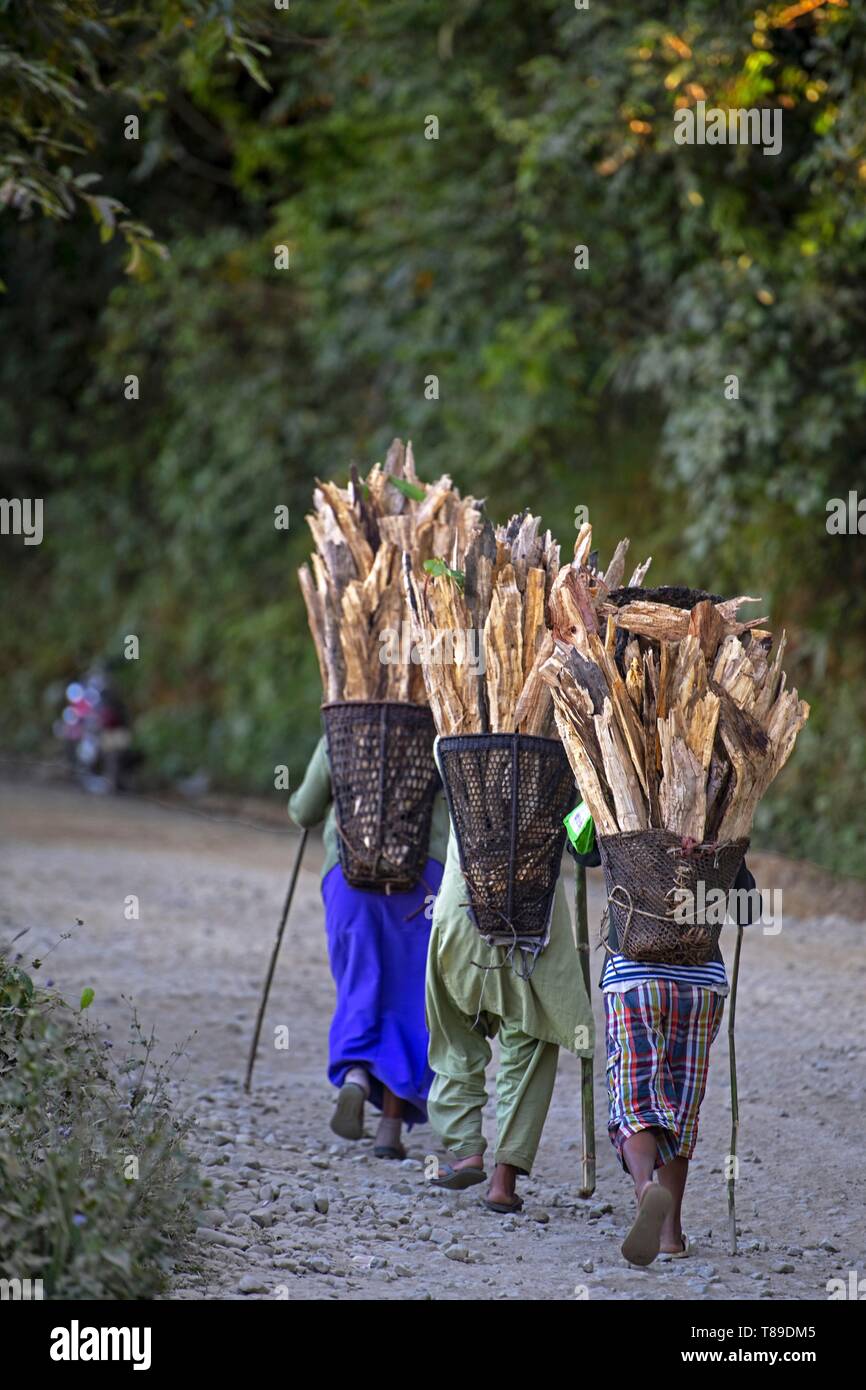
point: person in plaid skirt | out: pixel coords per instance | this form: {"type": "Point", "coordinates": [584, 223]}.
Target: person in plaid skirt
{"type": "Point", "coordinates": [661, 1021]}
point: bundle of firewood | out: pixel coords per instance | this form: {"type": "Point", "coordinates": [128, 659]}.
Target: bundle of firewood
{"type": "Point", "coordinates": [673, 713]}
{"type": "Point", "coordinates": [354, 595]}
{"type": "Point", "coordinates": [481, 628]}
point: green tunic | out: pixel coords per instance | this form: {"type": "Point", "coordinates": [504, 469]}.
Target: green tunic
{"type": "Point", "coordinates": [533, 1018]}
{"type": "Point", "coordinates": [552, 1005]}
{"type": "Point", "coordinates": [313, 803]}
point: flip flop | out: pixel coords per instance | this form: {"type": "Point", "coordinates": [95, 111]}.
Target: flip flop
{"type": "Point", "coordinates": [641, 1245]}
{"type": "Point", "coordinates": [348, 1117]}
{"type": "Point", "coordinates": [504, 1208]}
{"type": "Point", "coordinates": [389, 1151]}
{"type": "Point", "coordinates": [681, 1254]}
{"type": "Point", "coordinates": [458, 1179]}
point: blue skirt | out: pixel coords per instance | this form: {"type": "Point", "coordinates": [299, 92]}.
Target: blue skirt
{"type": "Point", "coordinates": [377, 945]}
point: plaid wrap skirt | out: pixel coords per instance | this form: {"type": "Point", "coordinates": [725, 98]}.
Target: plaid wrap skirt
{"type": "Point", "coordinates": [658, 1049]}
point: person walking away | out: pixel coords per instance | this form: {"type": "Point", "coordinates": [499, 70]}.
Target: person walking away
{"type": "Point", "coordinates": [661, 1022]}
{"type": "Point", "coordinates": [377, 948]}
{"type": "Point", "coordinates": [474, 995]}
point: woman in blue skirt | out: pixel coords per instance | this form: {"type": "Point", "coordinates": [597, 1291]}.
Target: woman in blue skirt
{"type": "Point", "coordinates": [377, 945]}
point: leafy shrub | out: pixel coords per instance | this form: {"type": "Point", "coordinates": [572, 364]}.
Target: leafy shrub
{"type": "Point", "coordinates": [97, 1191]}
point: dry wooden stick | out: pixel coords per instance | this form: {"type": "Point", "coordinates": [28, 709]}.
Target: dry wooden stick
{"type": "Point", "coordinates": [355, 595]}
{"type": "Point", "coordinates": [490, 609]}
{"type": "Point", "coordinates": [673, 718]}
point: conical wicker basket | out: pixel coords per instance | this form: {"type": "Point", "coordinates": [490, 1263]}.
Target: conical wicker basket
{"type": "Point", "coordinates": [508, 795]}
{"type": "Point", "coordinates": [648, 874]}
{"type": "Point", "coordinates": [385, 781]}
{"type": "Point", "coordinates": [643, 869]}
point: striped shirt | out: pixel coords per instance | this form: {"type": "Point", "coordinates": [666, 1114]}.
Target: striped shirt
{"type": "Point", "coordinates": [621, 974]}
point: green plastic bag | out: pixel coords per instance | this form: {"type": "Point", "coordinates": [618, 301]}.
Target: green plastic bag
{"type": "Point", "coordinates": [580, 828]}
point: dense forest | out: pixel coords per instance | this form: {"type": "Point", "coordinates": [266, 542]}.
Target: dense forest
{"type": "Point", "coordinates": [245, 244]}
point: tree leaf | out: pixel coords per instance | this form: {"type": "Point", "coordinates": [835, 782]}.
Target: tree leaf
{"type": "Point", "coordinates": [410, 490]}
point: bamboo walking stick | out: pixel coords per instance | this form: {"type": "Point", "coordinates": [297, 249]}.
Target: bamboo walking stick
{"type": "Point", "coordinates": [587, 1100]}
{"type": "Point", "coordinates": [735, 1105]}
{"type": "Point", "coordinates": [271, 968]}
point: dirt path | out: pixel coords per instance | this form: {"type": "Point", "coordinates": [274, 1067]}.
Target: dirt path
{"type": "Point", "coordinates": [305, 1216]}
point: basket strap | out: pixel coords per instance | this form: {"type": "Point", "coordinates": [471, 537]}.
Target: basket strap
{"type": "Point", "coordinates": [524, 973]}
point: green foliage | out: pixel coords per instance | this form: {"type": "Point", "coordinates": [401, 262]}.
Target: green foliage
{"type": "Point", "coordinates": [61, 64]}
{"type": "Point", "coordinates": [71, 1118]}
{"type": "Point", "coordinates": [455, 257]}
{"type": "Point", "coordinates": [413, 490]}
{"type": "Point", "coordinates": [439, 567]}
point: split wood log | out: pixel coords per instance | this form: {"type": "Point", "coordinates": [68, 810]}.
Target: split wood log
{"type": "Point", "coordinates": [620, 772]}
{"type": "Point", "coordinates": [354, 594]}
{"type": "Point", "coordinates": [592, 786]}
{"type": "Point", "coordinates": [664, 624]}
{"type": "Point", "coordinates": [676, 718]}
{"type": "Point", "coordinates": [492, 609]}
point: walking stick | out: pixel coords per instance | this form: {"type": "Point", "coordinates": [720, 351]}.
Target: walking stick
{"type": "Point", "coordinates": [270, 975]}
{"type": "Point", "coordinates": [735, 1105]}
{"type": "Point", "coordinates": [587, 1101]}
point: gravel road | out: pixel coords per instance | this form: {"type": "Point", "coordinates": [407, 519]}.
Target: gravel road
{"type": "Point", "coordinates": [298, 1214]}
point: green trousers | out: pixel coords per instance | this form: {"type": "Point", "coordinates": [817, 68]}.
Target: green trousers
{"type": "Point", "coordinates": [459, 1054]}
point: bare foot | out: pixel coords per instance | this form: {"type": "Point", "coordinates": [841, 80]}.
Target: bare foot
{"type": "Point", "coordinates": [671, 1234]}
{"type": "Point", "coordinates": [503, 1182]}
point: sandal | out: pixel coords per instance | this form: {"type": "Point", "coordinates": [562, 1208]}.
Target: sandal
{"type": "Point", "coordinates": [681, 1254]}
{"type": "Point", "coordinates": [458, 1179]}
{"type": "Point", "coordinates": [348, 1117]}
{"type": "Point", "coordinates": [387, 1141]}
{"type": "Point", "coordinates": [392, 1151]}
{"type": "Point", "coordinates": [641, 1245]}
{"type": "Point", "coordinates": [504, 1208]}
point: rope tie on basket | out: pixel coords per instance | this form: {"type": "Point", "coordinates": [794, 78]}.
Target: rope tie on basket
{"type": "Point", "coordinates": [688, 847]}
{"type": "Point", "coordinates": [522, 971]}
{"type": "Point", "coordinates": [632, 911]}
{"type": "Point", "coordinates": [721, 844]}
{"type": "Point", "coordinates": [528, 954]}
{"type": "Point", "coordinates": [486, 969]}
{"type": "Point", "coordinates": [523, 974]}
{"type": "Point", "coordinates": [694, 933]}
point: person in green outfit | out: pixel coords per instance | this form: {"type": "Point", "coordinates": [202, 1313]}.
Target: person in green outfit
{"type": "Point", "coordinates": [533, 1018]}
{"type": "Point", "coordinates": [377, 947]}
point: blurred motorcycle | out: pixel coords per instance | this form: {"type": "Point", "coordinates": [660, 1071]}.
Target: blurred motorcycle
{"type": "Point", "coordinates": [95, 729]}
